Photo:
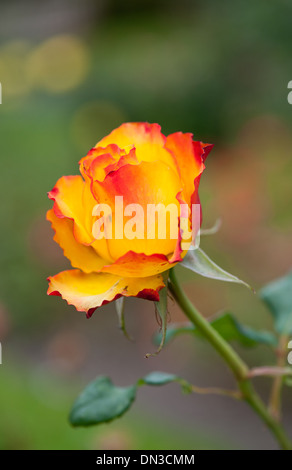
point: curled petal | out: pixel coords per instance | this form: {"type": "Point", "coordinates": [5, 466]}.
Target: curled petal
{"type": "Point", "coordinates": [147, 140]}
{"type": "Point", "coordinates": [206, 149]}
{"type": "Point", "coordinates": [100, 161]}
{"type": "Point", "coordinates": [90, 291]}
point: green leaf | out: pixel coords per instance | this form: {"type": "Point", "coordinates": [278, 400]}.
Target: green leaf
{"type": "Point", "coordinates": [161, 311]}
{"type": "Point", "coordinates": [100, 402]}
{"type": "Point", "coordinates": [158, 378]}
{"type": "Point", "coordinates": [197, 261]}
{"type": "Point", "coordinates": [278, 297]}
{"type": "Point", "coordinates": [174, 330]}
{"type": "Point", "coordinates": [163, 378]}
{"type": "Point", "coordinates": [229, 328]}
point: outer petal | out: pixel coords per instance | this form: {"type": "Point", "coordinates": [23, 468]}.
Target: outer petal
{"type": "Point", "coordinates": [143, 184]}
{"type": "Point", "coordinates": [89, 291]}
{"type": "Point", "coordinates": [206, 149]}
{"type": "Point", "coordinates": [190, 157]}
{"type": "Point", "coordinates": [146, 138]}
{"type": "Point", "coordinates": [138, 265]}
{"type": "Point", "coordinates": [74, 200]}
{"type": "Point", "coordinates": [68, 195]}
{"type": "Point", "coordinates": [80, 256]}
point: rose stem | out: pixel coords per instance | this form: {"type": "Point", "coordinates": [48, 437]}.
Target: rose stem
{"type": "Point", "coordinates": [235, 363]}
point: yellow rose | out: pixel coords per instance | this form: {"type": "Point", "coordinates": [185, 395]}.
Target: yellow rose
{"type": "Point", "coordinates": [134, 166]}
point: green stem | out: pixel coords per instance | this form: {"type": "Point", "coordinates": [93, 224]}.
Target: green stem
{"type": "Point", "coordinates": [236, 364]}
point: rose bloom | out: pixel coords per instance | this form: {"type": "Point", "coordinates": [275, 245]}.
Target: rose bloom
{"type": "Point", "coordinates": [138, 162]}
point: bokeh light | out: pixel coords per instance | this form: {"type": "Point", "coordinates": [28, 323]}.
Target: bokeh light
{"type": "Point", "coordinates": [13, 60]}
{"type": "Point", "coordinates": [59, 64]}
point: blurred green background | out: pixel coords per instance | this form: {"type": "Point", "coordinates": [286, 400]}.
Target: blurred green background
{"type": "Point", "coordinates": [71, 71]}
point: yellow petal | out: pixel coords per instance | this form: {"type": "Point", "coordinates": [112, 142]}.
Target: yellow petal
{"type": "Point", "coordinates": [138, 265]}
{"type": "Point", "coordinates": [147, 140]}
{"type": "Point", "coordinates": [89, 291]}
{"type": "Point", "coordinates": [68, 194]}
{"type": "Point", "coordinates": [74, 200]}
{"type": "Point", "coordinates": [80, 256]}
{"type": "Point", "coordinates": [148, 183]}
